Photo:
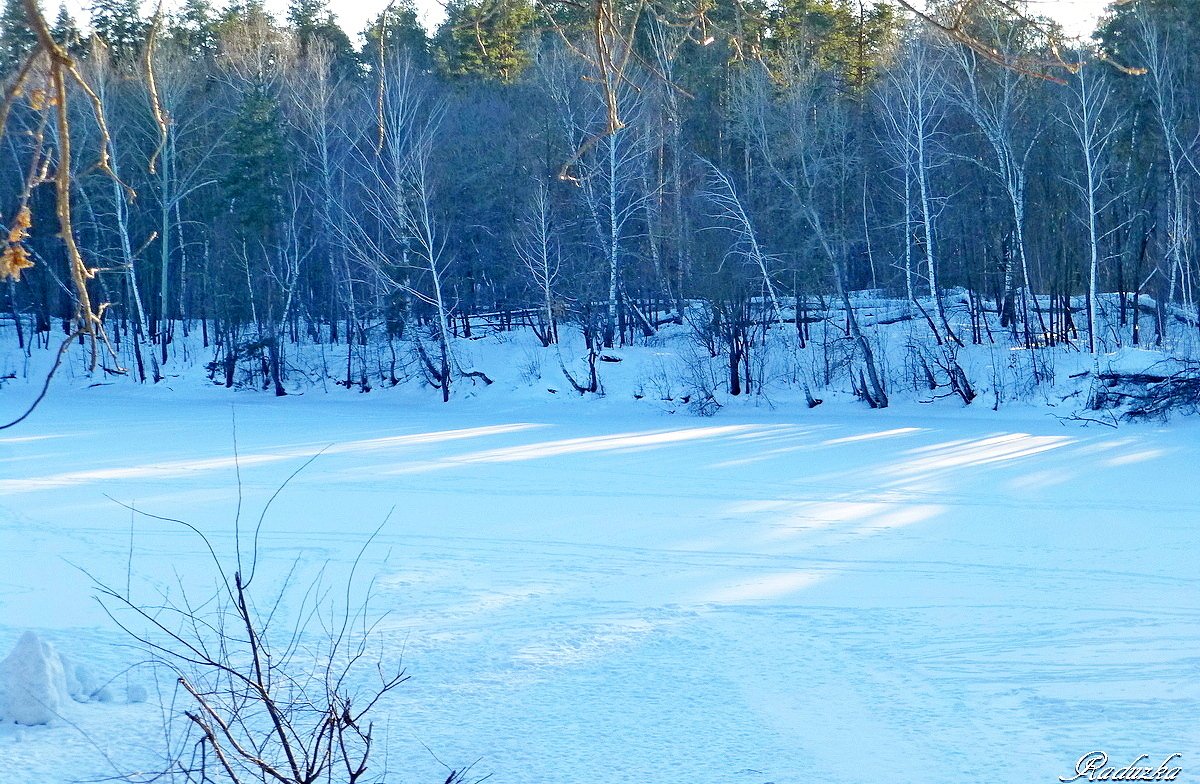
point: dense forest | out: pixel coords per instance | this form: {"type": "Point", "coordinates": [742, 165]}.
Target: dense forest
{"type": "Point", "coordinates": [768, 177]}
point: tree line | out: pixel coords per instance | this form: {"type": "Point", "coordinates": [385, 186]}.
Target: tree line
{"type": "Point", "coordinates": [766, 174]}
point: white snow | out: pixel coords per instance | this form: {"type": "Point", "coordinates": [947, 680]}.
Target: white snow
{"type": "Point", "coordinates": [601, 592]}
{"type": "Point", "coordinates": [33, 682]}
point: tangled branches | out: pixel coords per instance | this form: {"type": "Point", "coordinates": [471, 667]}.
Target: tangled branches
{"type": "Point", "coordinates": [50, 63]}
{"type": "Point", "coordinates": [606, 40]}
{"type": "Point", "coordinates": [282, 690]}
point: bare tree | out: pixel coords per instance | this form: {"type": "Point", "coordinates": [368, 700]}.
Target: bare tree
{"type": "Point", "coordinates": [1166, 92]}
{"type": "Point", "coordinates": [810, 159]}
{"type": "Point", "coordinates": [667, 43]}
{"type": "Point", "coordinates": [180, 165]}
{"type": "Point", "coordinates": [105, 79]}
{"type": "Point", "coordinates": [537, 246]}
{"type": "Point", "coordinates": [404, 236]}
{"type": "Point", "coordinates": [1088, 116]}
{"type": "Point", "coordinates": [731, 215]}
{"type": "Point", "coordinates": [318, 96]}
{"type": "Point", "coordinates": [48, 87]}
{"type": "Point", "coordinates": [612, 188]}
{"type": "Point", "coordinates": [914, 111]}
{"type": "Point", "coordinates": [997, 101]}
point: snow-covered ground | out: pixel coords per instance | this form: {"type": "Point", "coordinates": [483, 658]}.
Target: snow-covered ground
{"type": "Point", "coordinates": [607, 593]}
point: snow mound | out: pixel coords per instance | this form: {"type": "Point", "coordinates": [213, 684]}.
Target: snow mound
{"type": "Point", "coordinates": [81, 685]}
{"type": "Point", "coordinates": [33, 682]}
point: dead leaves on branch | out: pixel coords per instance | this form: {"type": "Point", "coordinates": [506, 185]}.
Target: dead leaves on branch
{"type": "Point", "coordinates": [15, 256]}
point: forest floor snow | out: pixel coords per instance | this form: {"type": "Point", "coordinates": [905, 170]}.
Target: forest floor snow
{"type": "Point", "coordinates": [601, 594]}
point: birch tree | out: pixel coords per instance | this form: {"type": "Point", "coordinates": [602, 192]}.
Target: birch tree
{"type": "Point", "coordinates": [613, 192]}
{"type": "Point", "coordinates": [537, 246]}
{"type": "Point", "coordinates": [180, 165]}
{"type": "Point", "coordinates": [105, 79]}
{"type": "Point", "coordinates": [1088, 117]}
{"type": "Point", "coordinates": [316, 101]}
{"type": "Point", "coordinates": [1166, 92]}
{"type": "Point", "coordinates": [997, 101]}
{"type": "Point", "coordinates": [811, 158]}
{"type": "Point", "coordinates": [913, 109]}
{"type": "Point", "coordinates": [403, 243]}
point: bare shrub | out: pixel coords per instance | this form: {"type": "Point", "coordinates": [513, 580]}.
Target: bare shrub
{"type": "Point", "coordinates": [281, 689]}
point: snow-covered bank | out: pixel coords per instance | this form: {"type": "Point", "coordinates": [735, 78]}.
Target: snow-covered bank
{"type": "Point", "coordinates": [606, 593]}
{"type": "Point", "coordinates": [678, 370]}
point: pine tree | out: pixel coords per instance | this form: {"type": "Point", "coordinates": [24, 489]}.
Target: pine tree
{"type": "Point", "coordinates": [66, 31]}
{"type": "Point", "coordinates": [256, 145]}
{"type": "Point", "coordinates": [119, 24]}
{"type": "Point", "coordinates": [485, 38]}
{"type": "Point", "coordinates": [243, 12]}
{"type": "Point", "coordinates": [876, 32]}
{"type": "Point", "coordinates": [1119, 35]}
{"type": "Point", "coordinates": [403, 33]}
{"type": "Point", "coordinates": [312, 21]}
{"type": "Point", "coordinates": [17, 38]}
{"type": "Point", "coordinates": [194, 28]}
{"type": "Point", "coordinates": [849, 38]}
{"type": "Point", "coordinates": [819, 32]}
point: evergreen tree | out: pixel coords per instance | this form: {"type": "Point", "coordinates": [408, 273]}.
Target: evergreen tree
{"type": "Point", "coordinates": [485, 38]}
{"type": "Point", "coordinates": [851, 38]}
{"type": "Point", "coordinates": [256, 145]}
{"type": "Point", "coordinates": [66, 31]}
{"type": "Point", "coordinates": [312, 21]}
{"type": "Point", "coordinates": [17, 38]}
{"type": "Point", "coordinates": [119, 24]}
{"type": "Point", "coordinates": [403, 33]}
{"type": "Point", "coordinates": [877, 27]}
{"type": "Point", "coordinates": [816, 32]}
{"type": "Point", "coordinates": [1119, 30]}
{"type": "Point", "coordinates": [194, 28]}
{"type": "Point", "coordinates": [244, 12]}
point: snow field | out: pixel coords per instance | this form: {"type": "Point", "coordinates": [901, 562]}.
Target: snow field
{"type": "Point", "coordinates": [606, 594]}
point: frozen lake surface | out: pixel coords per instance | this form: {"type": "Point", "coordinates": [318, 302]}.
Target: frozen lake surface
{"type": "Point", "coordinates": [589, 593]}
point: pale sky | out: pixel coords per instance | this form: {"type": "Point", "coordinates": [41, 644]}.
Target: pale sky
{"type": "Point", "coordinates": [354, 15]}
{"type": "Point", "coordinates": [1078, 17]}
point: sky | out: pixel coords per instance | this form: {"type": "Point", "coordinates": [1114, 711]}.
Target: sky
{"type": "Point", "coordinates": [1077, 16]}
{"type": "Point", "coordinates": [355, 15]}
